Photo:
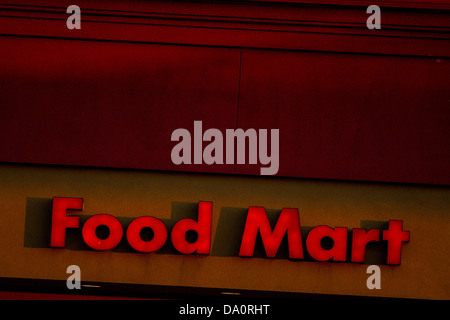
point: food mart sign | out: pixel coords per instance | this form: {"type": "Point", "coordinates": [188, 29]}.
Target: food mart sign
{"type": "Point", "coordinates": [256, 223]}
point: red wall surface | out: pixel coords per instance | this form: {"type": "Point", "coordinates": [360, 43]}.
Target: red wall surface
{"type": "Point", "coordinates": [350, 103]}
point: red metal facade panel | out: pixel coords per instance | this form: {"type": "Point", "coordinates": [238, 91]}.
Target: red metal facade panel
{"type": "Point", "coordinates": [110, 104]}
{"type": "Point", "coordinates": [438, 4]}
{"type": "Point", "coordinates": [240, 24]}
{"type": "Point", "coordinates": [346, 116]}
{"type": "Point", "coordinates": [350, 103]}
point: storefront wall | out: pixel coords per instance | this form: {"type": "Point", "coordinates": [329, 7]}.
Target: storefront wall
{"type": "Point", "coordinates": [362, 115]}
{"type": "Point", "coordinates": [424, 211]}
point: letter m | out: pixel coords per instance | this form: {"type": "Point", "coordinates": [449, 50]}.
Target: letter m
{"type": "Point", "coordinates": [288, 221]}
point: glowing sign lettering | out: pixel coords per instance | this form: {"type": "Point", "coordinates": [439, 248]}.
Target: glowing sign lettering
{"type": "Point", "coordinates": [159, 234]}
{"type": "Point", "coordinates": [339, 250]}
{"type": "Point", "coordinates": [287, 225]}
{"type": "Point", "coordinates": [287, 222]}
{"type": "Point", "coordinates": [114, 227]}
{"type": "Point", "coordinates": [60, 222]}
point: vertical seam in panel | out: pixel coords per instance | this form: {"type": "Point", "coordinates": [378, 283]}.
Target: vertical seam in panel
{"type": "Point", "coordinates": [237, 108]}
{"type": "Point", "coordinates": [239, 89]}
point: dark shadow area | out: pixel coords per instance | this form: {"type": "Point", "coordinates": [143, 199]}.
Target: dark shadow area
{"type": "Point", "coordinates": [175, 292]}
{"type": "Point", "coordinates": [38, 223]}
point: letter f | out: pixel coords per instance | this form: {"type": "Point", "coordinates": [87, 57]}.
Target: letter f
{"type": "Point", "coordinates": [60, 220]}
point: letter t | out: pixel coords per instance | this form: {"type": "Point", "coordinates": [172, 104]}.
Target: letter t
{"type": "Point", "coordinates": [395, 236]}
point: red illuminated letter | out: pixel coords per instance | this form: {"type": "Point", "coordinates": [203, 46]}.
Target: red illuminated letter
{"type": "Point", "coordinates": [395, 236]}
{"type": "Point", "coordinates": [115, 232]}
{"type": "Point", "coordinates": [202, 227]}
{"type": "Point", "coordinates": [288, 221]}
{"type": "Point", "coordinates": [60, 220]}
{"type": "Point", "coordinates": [159, 234]}
{"type": "Point", "coordinates": [339, 250]}
{"type": "Point", "coordinates": [361, 238]}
